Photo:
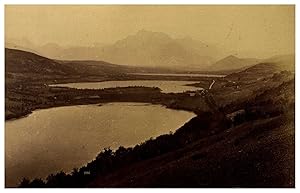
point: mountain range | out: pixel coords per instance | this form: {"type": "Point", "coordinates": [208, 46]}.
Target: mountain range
{"type": "Point", "coordinates": [149, 49]}
{"type": "Point", "coordinates": [156, 49]}
{"type": "Point", "coordinates": [145, 48]}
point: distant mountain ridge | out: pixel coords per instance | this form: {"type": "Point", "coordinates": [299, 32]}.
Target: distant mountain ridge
{"type": "Point", "coordinates": [233, 63]}
{"type": "Point", "coordinates": [157, 49]}
{"type": "Point", "coordinates": [151, 50]}
{"type": "Point", "coordinates": [143, 49]}
{"type": "Point", "coordinates": [284, 64]}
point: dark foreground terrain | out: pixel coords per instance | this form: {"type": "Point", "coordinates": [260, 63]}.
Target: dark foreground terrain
{"type": "Point", "coordinates": [243, 135]}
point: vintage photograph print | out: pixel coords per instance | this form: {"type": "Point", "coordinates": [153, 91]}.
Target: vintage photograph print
{"type": "Point", "coordinates": [149, 96]}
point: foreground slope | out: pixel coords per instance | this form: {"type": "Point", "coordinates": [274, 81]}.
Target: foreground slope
{"type": "Point", "coordinates": [257, 151]}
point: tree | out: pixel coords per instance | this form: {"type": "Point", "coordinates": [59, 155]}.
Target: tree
{"type": "Point", "coordinates": [37, 183]}
{"type": "Point", "coordinates": [25, 183]}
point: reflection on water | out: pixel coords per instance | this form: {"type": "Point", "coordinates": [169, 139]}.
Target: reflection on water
{"type": "Point", "coordinates": [63, 138]}
{"type": "Point", "coordinates": [165, 86]}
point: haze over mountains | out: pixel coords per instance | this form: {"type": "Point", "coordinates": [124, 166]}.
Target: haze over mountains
{"type": "Point", "coordinates": [147, 49]}
{"type": "Point", "coordinates": [156, 49]}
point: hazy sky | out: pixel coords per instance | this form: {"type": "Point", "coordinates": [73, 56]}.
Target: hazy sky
{"type": "Point", "coordinates": [253, 31]}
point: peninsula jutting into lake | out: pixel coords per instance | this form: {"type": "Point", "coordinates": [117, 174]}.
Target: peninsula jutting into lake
{"type": "Point", "coordinates": [101, 96]}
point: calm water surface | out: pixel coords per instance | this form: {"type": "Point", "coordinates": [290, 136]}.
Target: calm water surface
{"type": "Point", "coordinates": [165, 86]}
{"type": "Point", "coordinates": [178, 74]}
{"type": "Point", "coordinates": [62, 138]}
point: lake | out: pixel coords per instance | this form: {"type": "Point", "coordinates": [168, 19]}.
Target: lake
{"type": "Point", "coordinates": [165, 86]}
{"type": "Point", "coordinates": [180, 74]}
{"type": "Point", "coordinates": [62, 138]}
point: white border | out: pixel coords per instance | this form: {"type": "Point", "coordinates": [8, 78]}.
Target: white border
{"type": "Point", "coordinates": [111, 2]}
{"type": "Point", "coordinates": [170, 2]}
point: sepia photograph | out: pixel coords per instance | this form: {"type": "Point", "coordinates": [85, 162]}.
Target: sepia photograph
{"type": "Point", "coordinates": [149, 96]}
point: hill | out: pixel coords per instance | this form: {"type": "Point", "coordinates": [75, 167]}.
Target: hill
{"type": "Point", "coordinates": [24, 62]}
{"type": "Point", "coordinates": [55, 51]}
{"type": "Point", "coordinates": [231, 63]}
{"type": "Point", "coordinates": [18, 61]}
{"type": "Point", "coordinates": [22, 65]}
{"type": "Point", "coordinates": [266, 68]}
{"type": "Point", "coordinates": [283, 62]}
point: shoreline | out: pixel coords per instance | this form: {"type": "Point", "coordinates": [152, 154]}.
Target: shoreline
{"type": "Point", "coordinates": [53, 96]}
{"type": "Point", "coordinates": [96, 103]}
